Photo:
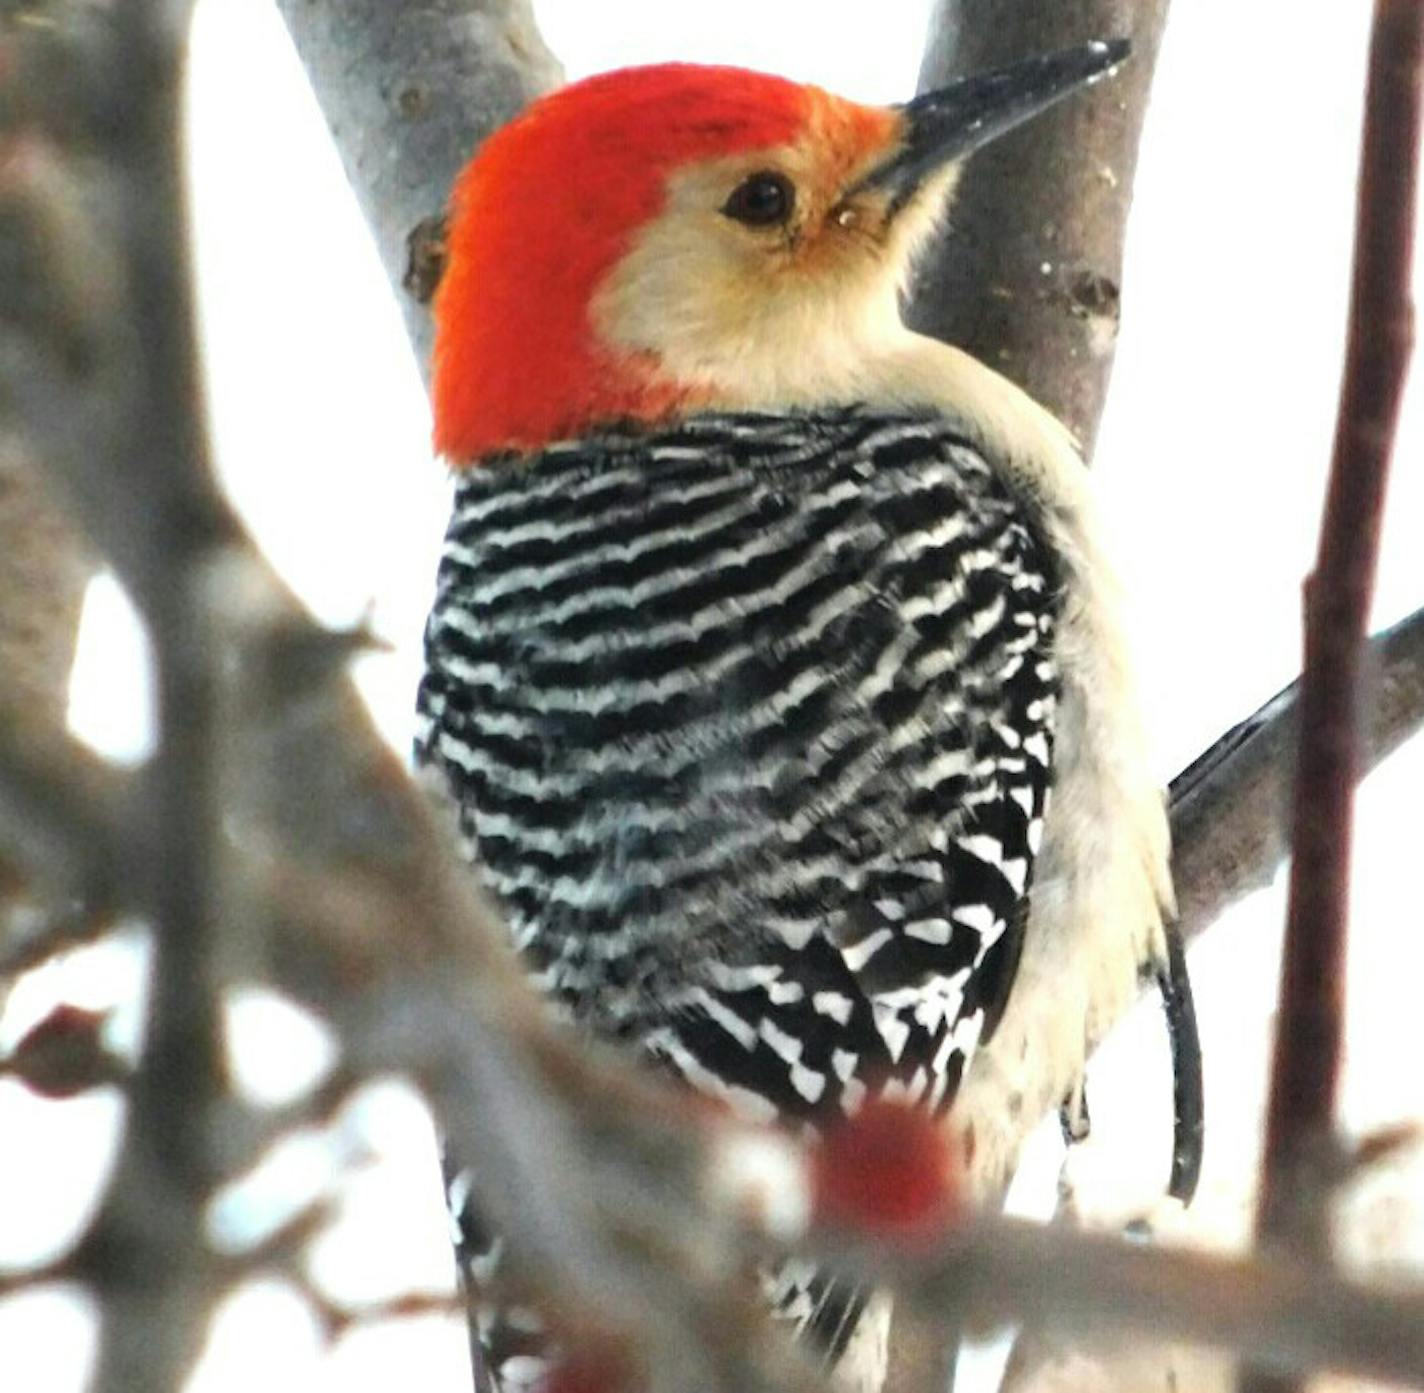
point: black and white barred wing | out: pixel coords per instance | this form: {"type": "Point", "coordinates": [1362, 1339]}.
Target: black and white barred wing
{"type": "Point", "coordinates": [749, 725]}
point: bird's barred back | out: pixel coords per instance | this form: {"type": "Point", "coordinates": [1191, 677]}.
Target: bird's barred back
{"type": "Point", "coordinates": [749, 725]}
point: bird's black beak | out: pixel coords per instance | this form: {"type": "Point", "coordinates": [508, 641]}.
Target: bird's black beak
{"type": "Point", "coordinates": [944, 126]}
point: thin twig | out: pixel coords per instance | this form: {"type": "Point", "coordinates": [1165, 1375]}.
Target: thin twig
{"type": "Point", "coordinates": [1310, 1028]}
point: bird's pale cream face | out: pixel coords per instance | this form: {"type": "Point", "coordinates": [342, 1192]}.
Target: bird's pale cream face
{"type": "Point", "coordinates": [767, 276]}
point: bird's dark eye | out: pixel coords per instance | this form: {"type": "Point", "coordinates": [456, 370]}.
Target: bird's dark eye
{"type": "Point", "coordinates": [762, 199]}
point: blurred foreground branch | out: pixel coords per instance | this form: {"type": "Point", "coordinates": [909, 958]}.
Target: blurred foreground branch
{"type": "Point", "coordinates": [44, 567]}
{"type": "Point", "coordinates": [100, 376]}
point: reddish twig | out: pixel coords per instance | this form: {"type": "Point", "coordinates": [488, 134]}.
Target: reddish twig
{"type": "Point", "coordinates": [1306, 1068]}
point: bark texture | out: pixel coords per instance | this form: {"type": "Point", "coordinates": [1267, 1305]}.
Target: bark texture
{"type": "Point", "coordinates": [409, 92]}
{"type": "Point", "coordinates": [1027, 275]}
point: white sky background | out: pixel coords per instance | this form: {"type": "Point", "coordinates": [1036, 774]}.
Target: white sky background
{"type": "Point", "coordinates": [1211, 467]}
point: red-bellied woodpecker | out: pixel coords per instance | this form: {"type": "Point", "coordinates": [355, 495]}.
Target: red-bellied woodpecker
{"type": "Point", "coordinates": [775, 667]}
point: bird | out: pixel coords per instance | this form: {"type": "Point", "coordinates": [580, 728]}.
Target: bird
{"type": "Point", "coordinates": [776, 672]}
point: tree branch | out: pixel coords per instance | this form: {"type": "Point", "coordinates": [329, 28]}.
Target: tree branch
{"type": "Point", "coordinates": [99, 374]}
{"type": "Point", "coordinates": [1027, 274]}
{"type": "Point", "coordinates": [1310, 1023]}
{"type": "Point", "coordinates": [409, 91]}
{"type": "Point", "coordinates": [1286, 1314]}
{"type": "Point", "coordinates": [1229, 807]}
{"type": "Point", "coordinates": [1297, 1180]}
{"type": "Point", "coordinates": [43, 566]}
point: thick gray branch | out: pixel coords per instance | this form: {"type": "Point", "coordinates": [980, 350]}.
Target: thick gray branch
{"type": "Point", "coordinates": [409, 91]}
{"type": "Point", "coordinates": [1027, 275]}
{"type": "Point", "coordinates": [1229, 807]}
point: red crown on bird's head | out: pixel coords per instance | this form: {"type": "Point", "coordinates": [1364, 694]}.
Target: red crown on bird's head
{"type": "Point", "coordinates": [546, 210]}
{"type": "Point", "coordinates": [656, 240]}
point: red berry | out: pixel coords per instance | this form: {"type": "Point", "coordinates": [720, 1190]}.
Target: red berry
{"type": "Point", "coordinates": [600, 1370]}
{"type": "Point", "coordinates": [891, 1170]}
